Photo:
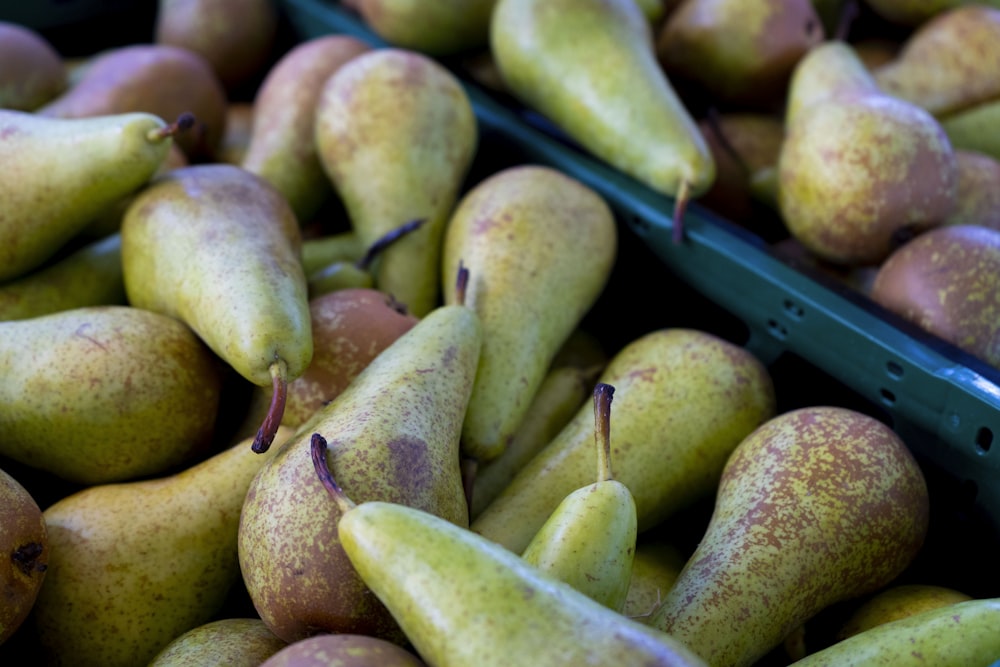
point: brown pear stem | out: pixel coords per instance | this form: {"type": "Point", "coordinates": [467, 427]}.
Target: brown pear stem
{"type": "Point", "coordinates": [386, 240]}
{"type": "Point", "coordinates": [844, 21]}
{"type": "Point", "coordinates": [184, 122]}
{"type": "Point", "coordinates": [603, 393]}
{"type": "Point", "coordinates": [712, 118]}
{"type": "Point", "coordinates": [469, 467]}
{"type": "Point", "coordinates": [680, 205]}
{"type": "Point", "coordinates": [276, 410]}
{"type": "Point", "coordinates": [317, 450]}
{"type": "Point", "coordinates": [461, 283]}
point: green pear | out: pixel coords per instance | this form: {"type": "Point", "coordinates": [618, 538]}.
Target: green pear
{"type": "Point", "coordinates": [394, 434]}
{"type": "Point", "coordinates": [589, 539]}
{"type": "Point", "coordinates": [439, 28]}
{"type": "Point", "coordinates": [540, 247]}
{"type": "Point", "coordinates": [135, 392]}
{"type": "Point", "coordinates": [68, 171]}
{"type": "Point", "coordinates": [684, 400]}
{"type": "Point", "coordinates": [89, 276]}
{"type": "Point", "coordinates": [32, 72]}
{"type": "Point", "coordinates": [235, 37]}
{"type": "Point", "coordinates": [590, 67]}
{"type": "Point", "coordinates": [464, 600]}
{"type": "Point", "coordinates": [818, 505]}
{"type": "Point", "coordinates": [896, 602]}
{"type": "Point", "coordinates": [282, 143]}
{"type": "Point", "coordinates": [957, 635]}
{"type": "Point", "coordinates": [233, 642]}
{"type": "Point", "coordinates": [135, 565]}
{"type": "Point", "coordinates": [949, 63]}
{"type": "Point", "coordinates": [24, 544]}
{"type": "Point", "coordinates": [396, 134]}
{"type": "Point", "coordinates": [321, 251]}
{"type": "Point", "coordinates": [342, 650]}
{"type": "Point", "coordinates": [976, 129]}
{"type": "Point", "coordinates": [217, 247]}
{"type": "Point", "coordinates": [738, 51]}
{"type": "Point", "coordinates": [828, 70]}
{"type": "Point", "coordinates": [977, 201]}
{"type": "Point", "coordinates": [655, 567]}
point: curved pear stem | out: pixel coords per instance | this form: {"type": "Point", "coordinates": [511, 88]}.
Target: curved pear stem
{"type": "Point", "coordinates": [603, 393]}
{"type": "Point", "coordinates": [848, 13]}
{"type": "Point", "coordinates": [317, 450]}
{"type": "Point", "coordinates": [275, 411]}
{"type": "Point", "coordinates": [386, 240]}
{"type": "Point", "coordinates": [680, 205]}
{"type": "Point", "coordinates": [461, 283]}
{"type": "Point", "coordinates": [712, 118]}
{"type": "Point", "coordinates": [184, 122]}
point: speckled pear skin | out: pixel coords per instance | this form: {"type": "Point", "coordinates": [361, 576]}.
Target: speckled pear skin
{"type": "Point", "coordinates": [136, 393]}
{"type": "Point", "coordinates": [978, 198]}
{"type": "Point", "coordinates": [898, 602]}
{"type": "Point", "coordinates": [135, 565]}
{"type": "Point", "coordinates": [218, 248]}
{"type": "Point", "coordinates": [343, 650]}
{"type": "Point", "coordinates": [684, 399]}
{"type": "Point", "coordinates": [61, 174]}
{"type": "Point", "coordinates": [818, 505]}
{"type": "Point", "coordinates": [282, 141]}
{"type": "Point", "coordinates": [24, 554]}
{"type": "Point", "coordinates": [959, 635]}
{"type": "Point", "coordinates": [396, 134]}
{"type": "Point", "coordinates": [495, 609]}
{"type": "Point", "coordinates": [540, 247]}
{"type": "Point", "coordinates": [830, 68]}
{"type": "Point", "coordinates": [393, 435]}
{"type": "Point", "coordinates": [233, 642]}
{"type": "Point", "coordinates": [441, 28]}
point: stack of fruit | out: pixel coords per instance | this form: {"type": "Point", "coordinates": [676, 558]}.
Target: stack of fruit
{"type": "Point", "coordinates": [303, 368]}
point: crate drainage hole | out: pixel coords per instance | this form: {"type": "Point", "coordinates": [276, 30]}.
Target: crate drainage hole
{"type": "Point", "coordinates": [984, 440]}
{"type": "Point", "coordinates": [639, 223]}
{"type": "Point", "coordinates": [777, 330]}
{"type": "Point", "coordinates": [793, 310]}
{"type": "Point", "coordinates": [895, 370]}
{"type": "Point", "coordinates": [887, 396]}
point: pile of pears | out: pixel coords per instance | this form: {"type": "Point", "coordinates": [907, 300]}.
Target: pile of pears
{"type": "Point", "coordinates": [297, 372]}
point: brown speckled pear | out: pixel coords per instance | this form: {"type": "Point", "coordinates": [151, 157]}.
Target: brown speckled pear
{"type": "Point", "coordinates": [343, 650]}
{"type": "Point", "coordinates": [684, 399]}
{"type": "Point", "coordinates": [24, 554]}
{"type": "Point", "coordinates": [394, 435]}
{"type": "Point", "coordinates": [136, 393]}
{"type": "Point", "coordinates": [135, 565]}
{"type": "Point", "coordinates": [233, 642]}
{"type": "Point", "coordinates": [827, 70]}
{"type": "Point", "coordinates": [818, 505]}
{"type": "Point", "coordinates": [978, 191]}
{"type": "Point", "coordinates": [282, 142]}
{"type": "Point", "coordinates": [540, 247]}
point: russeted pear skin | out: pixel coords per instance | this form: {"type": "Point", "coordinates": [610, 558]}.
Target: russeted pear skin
{"type": "Point", "coordinates": [136, 393]}
{"type": "Point", "coordinates": [63, 173]}
{"type": "Point", "coordinates": [24, 554]}
{"type": "Point", "coordinates": [818, 505]}
{"type": "Point", "coordinates": [233, 642]}
{"type": "Point", "coordinates": [540, 247]}
{"type": "Point", "coordinates": [342, 650]}
{"type": "Point", "coordinates": [684, 399]}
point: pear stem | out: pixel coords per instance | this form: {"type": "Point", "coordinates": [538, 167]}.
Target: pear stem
{"type": "Point", "coordinates": [275, 411]}
{"type": "Point", "coordinates": [603, 393]}
{"type": "Point", "coordinates": [184, 122]}
{"type": "Point", "coordinates": [461, 283]}
{"type": "Point", "coordinates": [848, 13]}
{"type": "Point", "coordinates": [387, 239]}
{"type": "Point", "coordinates": [712, 118]}
{"type": "Point", "coordinates": [680, 205]}
{"type": "Point", "coordinates": [317, 450]}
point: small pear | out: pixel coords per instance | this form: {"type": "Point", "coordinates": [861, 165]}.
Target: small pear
{"type": "Point", "coordinates": [655, 567]}
{"type": "Point", "coordinates": [321, 251]}
{"type": "Point", "coordinates": [976, 129]}
{"type": "Point", "coordinates": [136, 393]}
{"type": "Point", "coordinates": [24, 546]}
{"type": "Point", "coordinates": [32, 72]}
{"type": "Point", "coordinates": [898, 602]}
{"type": "Point", "coordinates": [439, 28]}
{"type": "Point", "coordinates": [137, 564]}
{"type": "Point", "coordinates": [495, 608]}
{"type": "Point", "coordinates": [342, 650]}
{"type": "Point", "coordinates": [978, 190]}
{"type": "Point", "coordinates": [233, 642]}
{"type": "Point", "coordinates": [818, 505]}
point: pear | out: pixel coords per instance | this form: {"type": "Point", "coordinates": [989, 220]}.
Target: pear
{"type": "Point", "coordinates": [828, 70]}
{"type": "Point", "coordinates": [234, 642]}
{"type": "Point", "coordinates": [25, 547]}
{"type": "Point", "coordinates": [463, 600]}
{"type": "Point", "coordinates": [439, 28]}
{"type": "Point", "coordinates": [136, 392]}
{"type": "Point", "coordinates": [540, 247]}
{"type": "Point", "coordinates": [342, 650]}
{"type": "Point", "coordinates": [282, 143]}
{"type": "Point", "coordinates": [394, 434]}
{"type": "Point", "coordinates": [160, 79]}
{"type": "Point", "coordinates": [976, 129]}
{"type": "Point", "coordinates": [978, 190]}
{"type": "Point", "coordinates": [949, 63]}
{"type": "Point", "coordinates": [818, 505]}
{"type": "Point", "coordinates": [217, 247]}
{"type": "Point", "coordinates": [235, 37]}
{"type": "Point", "coordinates": [957, 635]}
{"type": "Point", "coordinates": [236, 137]}
{"type": "Point", "coordinates": [590, 67]}
{"type": "Point", "coordinates": [655, 567]}
{"type": "Point", "coordinates": [319, 252]}
{"type": "Point", "coordinates": [68, 171]}
{"type": "Point", "coordinates": [589, 539]}
{"type": "Point", "coordinates": [396, 134]}
{"type": "Point", "coordinates": [135, 565]}
{"type": "Point", "coordinates": [738, 51]}
{"type": "Point", "coordinates": [89, 276]}
{"type": "Point", "coordinates": [898, 602]}
{"type": "Point", "coordinates": [911, 13]}
{"type": "Point", "coordinates": [32, 72]}
{"type": "Point", "coordinates": [685, 399]}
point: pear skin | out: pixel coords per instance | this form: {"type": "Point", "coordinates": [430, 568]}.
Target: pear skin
{"type": "Point", "coordinates": [818, 505]}
{"type": "Point", "coordinates": [322, 251]}
{"type": "Point", "coordinates": [540, 247]}
{"type": "Point", "coordinates": [977, 201]}
{"type": "Point", "coordinates": [137, 564]}
{"type": "Point", "coordinates": [234, 642]}
{"type": "Point", "coordinates": [32, 72]}
{"type": "Point", "coordinates": [24, 544]}
{"type": "Point", "coordinates": [440, 28]}
{"type": "Point", "coordinates": [655, 567]}
{"type": "Point", "coordinates": [976, 129]}
{"type": "Point", "coordinates": [896, 602]}
{"type": "Point", "coordinates": [342, 650]}
{"type": "Point", "coordinates": [829, 69]}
